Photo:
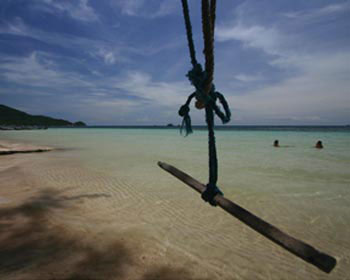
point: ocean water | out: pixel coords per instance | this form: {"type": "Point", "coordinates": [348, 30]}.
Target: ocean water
{"type": "Point", "coordinates": [301, 190]}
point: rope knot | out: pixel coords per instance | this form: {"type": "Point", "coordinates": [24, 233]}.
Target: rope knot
{"type": "Point", "coordinates": [184, 110]}
{"type": "Point", "coordinates": [210, 192]}
{"type": "Point", "coordinates": [197, 78]}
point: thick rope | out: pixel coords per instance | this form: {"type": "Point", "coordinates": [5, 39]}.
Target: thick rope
{"type": "Point", "coordinates": [208, 21]}
{"type": "Point", "coordinates": [205, 91]}
{"type": "Point", "coordinates": [208, 45]}
{"type": "Point", "coordinates": [189, 32]}
{"type": "Point", "coordinates": [184, 112]}
{"type": "Point", "coordinates": [212, 16]}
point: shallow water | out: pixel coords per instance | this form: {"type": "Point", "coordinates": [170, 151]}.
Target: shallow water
{"type": "Point", "coordinates": [302, 190]}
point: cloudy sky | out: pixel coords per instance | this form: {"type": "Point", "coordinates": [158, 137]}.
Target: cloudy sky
{"type": "Point", "coordinates": [124, 62]}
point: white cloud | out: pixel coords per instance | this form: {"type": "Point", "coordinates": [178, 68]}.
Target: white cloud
{"type": "Point", "coordinates": [166, 7]}
{"type": "Point", "coordinates": [109, 57]}
{"type": "Point", "coordinates": [134, 98]}
{"type": "Point", "coordinates": [133, 93]}
{"type": "Point", "coordinates": [77, 9]}
{"type": "Point", "coordinates": [275, 39]}
{"type": "Point", "coordinates": [83, 12]}
{"type": "Point", "coordinates": [322, 90]}
{"type": "Point", "coordinates": [256, 36]}
{"type": "Point", "coordinates": [318, 13]}
{"type": "Point", "coordinates": [114, 53]}
{"type": "Point", "coordinates": [130, 7]}
{"type": "Point", "coordinates": [110, 52]}
{"type": "Point", "coordinates": [38, 70]}
{"type": "Point", "coordinates": [317, 91]}
{"type": "Point", "coordinates": [161, 93]}
{"type": "Point", "coordinates": [18, 27]}
{"type": "Point", "coordinates": [248, 78]}
{"type": "Point", "coordinates": [141, 7]}
{"type": "Point", "coordinates": [15, 27]}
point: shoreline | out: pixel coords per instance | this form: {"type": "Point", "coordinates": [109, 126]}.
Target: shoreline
{"type": "Point", "coordinates": [8, 148]}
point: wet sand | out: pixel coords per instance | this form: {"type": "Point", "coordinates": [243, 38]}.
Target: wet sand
{"type": "Point", "coordinates": [7, 148]}
{"type": "Point", "coordinates": [49, 232]}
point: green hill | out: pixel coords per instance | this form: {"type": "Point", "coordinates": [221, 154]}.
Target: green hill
{"type": "Point", "coordinates": [13, 117]}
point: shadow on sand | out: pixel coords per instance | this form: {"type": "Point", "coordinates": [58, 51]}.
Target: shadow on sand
{"type": "Point", "coordinates": [33, 248]}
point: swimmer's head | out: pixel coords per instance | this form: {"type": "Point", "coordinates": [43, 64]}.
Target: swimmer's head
{"type": "Point", "coordinates": [319, 145]}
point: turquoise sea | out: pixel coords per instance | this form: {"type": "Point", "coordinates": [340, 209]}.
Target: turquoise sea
{"type": "Point", "coordinates": [301, 190]}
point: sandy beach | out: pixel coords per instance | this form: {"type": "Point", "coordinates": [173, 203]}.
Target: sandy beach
{"type": "Point", "coordinates": [49, 232]}
{"type": "Point", "coordinates": [101, 208]}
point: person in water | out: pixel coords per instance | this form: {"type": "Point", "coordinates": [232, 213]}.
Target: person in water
{"type": "Point", "coordinates": [276, 143]}
{"type": "Point", "coordinates": [319, 145]}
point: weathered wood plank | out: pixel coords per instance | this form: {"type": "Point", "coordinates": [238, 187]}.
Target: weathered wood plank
{"type": "Point", "coordinates": [299, 248]}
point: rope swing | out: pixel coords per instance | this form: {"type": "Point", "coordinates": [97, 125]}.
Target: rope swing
{"type": "Point", "coordinates": [205, 93]}
{"type": "Point", "coordinates": [206, 97]}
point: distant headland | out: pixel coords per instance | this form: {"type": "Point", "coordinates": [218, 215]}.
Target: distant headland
{"type": "Point", "coordinates": [13, 119]}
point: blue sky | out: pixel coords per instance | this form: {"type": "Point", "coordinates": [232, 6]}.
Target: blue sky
{"type": "Point", "coordinates": [124, 62]}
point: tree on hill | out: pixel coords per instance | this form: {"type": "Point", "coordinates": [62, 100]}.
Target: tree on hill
{"type": "Point", "coordinates": [13, 117]}
{"type": "Point", "coordinates": [79, 123]}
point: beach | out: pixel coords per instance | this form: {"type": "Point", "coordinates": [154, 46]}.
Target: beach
{"type": "Point", "coordinates": [98, 207]}
{"type": "Point", "coordinates": [54, 232]}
